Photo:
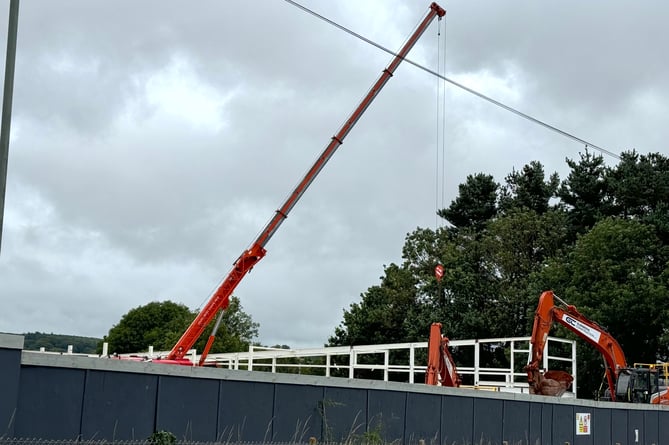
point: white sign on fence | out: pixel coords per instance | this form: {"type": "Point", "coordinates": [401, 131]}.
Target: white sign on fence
{"type": "Point", "coordinates": [582, 424]}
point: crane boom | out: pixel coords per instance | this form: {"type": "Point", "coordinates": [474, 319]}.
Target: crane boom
{"type": "Point", "coordinates": [221, 296]}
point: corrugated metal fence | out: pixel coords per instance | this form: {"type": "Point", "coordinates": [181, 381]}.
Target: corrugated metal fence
{"type": "Point", "coordinates": [91, 400]}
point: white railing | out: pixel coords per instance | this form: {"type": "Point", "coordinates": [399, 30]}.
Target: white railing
{"type": "Point", "coordinates": [382, 363]}
{"type": "Point", "coordinates": [346, 360]}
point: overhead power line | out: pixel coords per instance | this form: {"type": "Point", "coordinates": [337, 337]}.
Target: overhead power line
{"type": "Point", "coordinates": [457, 84]}
{"type": "Point", "coordinates": [8, 93]}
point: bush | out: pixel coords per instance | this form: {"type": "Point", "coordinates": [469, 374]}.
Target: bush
{"type": "Point", "coordinates": [162, 438]}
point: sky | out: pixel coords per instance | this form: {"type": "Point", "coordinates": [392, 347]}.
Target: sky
{"type": "Point", "coordinates": [152, 141]}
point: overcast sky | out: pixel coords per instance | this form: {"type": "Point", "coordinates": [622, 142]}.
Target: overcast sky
{"type": "Point", "coordinates": [151, 142]}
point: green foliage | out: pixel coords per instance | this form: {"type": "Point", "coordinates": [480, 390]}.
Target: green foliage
{"type": "Point", "coordinates": [33, 341]}
{"type": "Point", "coordinates": [528, 189]}
{"type": "Point", "coordinates": [161, 324]}
{"type": "Point", "coordinates": [639, 183]}
{"type": "Point", "coordinates": [235, 333]}
{"type": "Point", "coordinates": [611, 279]}
{"type": "Point", "coordinates": [476, 203]}
{"type": "Point", "coordinates": [585, 193]}
{"type": "Point", "coordinates": [517, 246]}
{"type": "Point", "coordinates": [380, 317]}
{"type": "Point", "coordinates": [600, 239]}
{"type": "Point", "coordinates": [162, 438]}
{"type": "Point", "coordinates": [157, 324]}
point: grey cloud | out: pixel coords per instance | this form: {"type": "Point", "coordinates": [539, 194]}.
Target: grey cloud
{"type": "Point", "coordinates": [116, 199]}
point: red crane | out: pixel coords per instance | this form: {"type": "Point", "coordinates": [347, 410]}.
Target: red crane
{"type": "Point", "coordinates": [221, 297]}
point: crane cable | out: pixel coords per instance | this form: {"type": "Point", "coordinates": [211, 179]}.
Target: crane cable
{"type": "Point", "coordinates": [443, 128]}
{"type": "Point", "coordinates": [440, 169]}
{"type": "Point", "coordinates": [436, 163]}
{"type": "Point", "coordinates": [457, 84]}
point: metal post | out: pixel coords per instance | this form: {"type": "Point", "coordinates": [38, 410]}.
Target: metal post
{"type": "Point", "coordinates": [412, 359]}
{"type": "Point", "coordinates": [573, 367]}
{"type": "Point", "coordinates": [477, 362]}
{"type": "Point", "coordinates": [513, 365]}
{"type": "Point", "coordinates": [7, 104]}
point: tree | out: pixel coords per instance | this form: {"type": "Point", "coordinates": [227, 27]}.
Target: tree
{"type": "Point", "coordinates": [528, 189]}
{"type": "Point", "coordinates": [382, 314]}
{"type": "Point", "coordinates": [464, 298]}
{"type": "Point", "coordinates": [613, 276]}
{"type": "Point", "coordinates": [585, 193]}
{"type": "Point", "coordinates": [610, 276]}
{"type": "Point", "coordinates": [156, 324]}
{"type": "Point", "coordinates": [471, 287]}
{"type": "Point", "coordinates": [33, 341]}
{"type": "Point", "coordinates": [235, 333]}
{"type": "Point", "coordinates": [160, 324]}
{"type": "Point", "coordinates": [475, 204]}
{"type": "Point", "coordinates": [388, 313]}
{"type": "Point", "coordinates": [518, 245]}
{"type": "Point", "coordinates": [487, 262]}
{"type": "Point", "coordinates": [603, 248]}
{"type": "Point", "coordinates": [639, 183]}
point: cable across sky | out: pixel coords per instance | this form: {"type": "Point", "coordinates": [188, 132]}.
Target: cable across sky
{"type": "Point", "coordinates": [458, 84]}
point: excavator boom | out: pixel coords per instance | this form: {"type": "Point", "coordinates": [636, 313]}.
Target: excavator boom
{"type": "Point", "coordinates": [567, 315]}
{"type": "Point", "coordinates": [636, 385]}
{"type": "Point", "coordinates": [441, 369]}
{"type": "Point", "coordinates": [220, 298]}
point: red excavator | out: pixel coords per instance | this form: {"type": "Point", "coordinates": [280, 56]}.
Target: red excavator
{"type": "Point", "coordinates": [249, 257]}
{"type": "Point", "coordinates": [625, 384]}
{"type": "Point", "coordinates": [441, 368]}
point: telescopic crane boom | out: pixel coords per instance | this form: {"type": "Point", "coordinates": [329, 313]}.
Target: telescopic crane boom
{"type": "Point", "coordinates": [221, 297]}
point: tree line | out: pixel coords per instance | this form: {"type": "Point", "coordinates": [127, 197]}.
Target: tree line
{"type": "Point", "coordinates": [599, 239]}
{"type": "Point", "coordinates": [33, 341]}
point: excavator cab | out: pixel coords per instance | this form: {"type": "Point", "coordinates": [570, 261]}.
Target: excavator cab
{"type": "Point", "coordinates": [636, 385]}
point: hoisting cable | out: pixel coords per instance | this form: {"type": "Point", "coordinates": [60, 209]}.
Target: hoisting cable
{"type": "Point", "coordinates": [457, 84]}
{"type": "Point", "coordinates": [436, 164]}
{"type": "Point", "coordinates": [440, 155]}
{"type": "Point", "coordinates": [443, 126]}
{"type": "Point", "coordinates": [440, 192]}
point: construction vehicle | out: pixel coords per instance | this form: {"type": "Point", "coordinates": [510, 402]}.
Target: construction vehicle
{"type": "Point", "coordinates": [625, 384]}
{"type": "Point", "coordinates": [249, 258]}
{"type": "Point", "coordinates": [662, 369]}
{"type": "Point", "coordinates": [441, 369]}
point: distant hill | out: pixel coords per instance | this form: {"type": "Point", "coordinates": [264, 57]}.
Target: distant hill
{"type": "Point", "coordinates": [58, 343]}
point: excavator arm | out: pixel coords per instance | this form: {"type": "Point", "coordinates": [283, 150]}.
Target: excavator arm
{"type": "Point", "coordinates": [220, 298]}
{"type": "Point", "coordinates": [441, 369]}
{"type": "Point", "coordinates": [547, 313]}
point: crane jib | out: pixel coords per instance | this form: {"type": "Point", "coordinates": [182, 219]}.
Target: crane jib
{"type": "Point", "coordinates": [250, 257]}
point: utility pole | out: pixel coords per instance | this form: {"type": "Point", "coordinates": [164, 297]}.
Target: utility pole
{"type": "Point", "coordinates": [7, 104]}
